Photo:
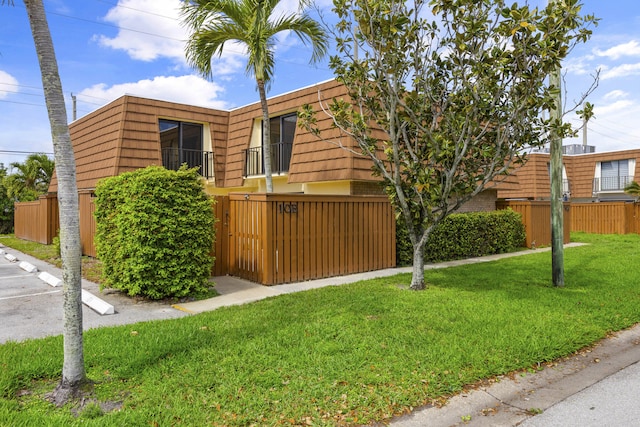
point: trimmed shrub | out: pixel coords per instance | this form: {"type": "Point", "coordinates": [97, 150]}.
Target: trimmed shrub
{"type": "Point", "coordinates": [154, 232]}
{"type": "Point", "coordinates": [466, 235]}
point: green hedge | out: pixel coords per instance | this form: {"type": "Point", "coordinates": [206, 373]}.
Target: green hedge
{"type": "Point", "coordinates": [154, 232]}
{"type": "Point", "coordinates": [466, 235]}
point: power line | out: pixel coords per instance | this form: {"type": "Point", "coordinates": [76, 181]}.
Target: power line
{"type": "Point", "coordinates": [137, 10]}
{"type": "Point", "coordinates": [22, 103]}
{"type": "Point", "coordinates": [24, 152]}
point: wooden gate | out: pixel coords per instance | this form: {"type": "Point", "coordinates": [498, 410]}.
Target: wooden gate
{"type": "Point", "coordinates": [282, 238]}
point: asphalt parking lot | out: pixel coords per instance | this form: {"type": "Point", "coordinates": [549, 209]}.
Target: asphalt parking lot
{"type": "Point", "coordinates": [31, 308]}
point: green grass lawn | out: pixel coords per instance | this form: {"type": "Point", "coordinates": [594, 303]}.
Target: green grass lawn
{"type": "Point", "coordinates": [339, 355]}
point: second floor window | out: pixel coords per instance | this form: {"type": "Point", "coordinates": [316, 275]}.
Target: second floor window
{"type": "Point", "coordinates": [614, 175]}
{"type": "Point", "coordinates": [182, 142]}
{"type": "Point", "coordinates": [282, 130]}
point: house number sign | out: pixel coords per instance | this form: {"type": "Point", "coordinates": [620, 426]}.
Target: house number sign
{"type": "Point", "coordinates": [288, 208]}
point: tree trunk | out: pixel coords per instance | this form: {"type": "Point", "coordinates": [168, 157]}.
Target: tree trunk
{"type": "Point", "coordinates": [417, 276]}
{"type": "Point", "coordinates": [266, 136]}
{"type": "Point", "coordinates": [557, 205]}
{"type": "Point", "coordinates": [73, 370]}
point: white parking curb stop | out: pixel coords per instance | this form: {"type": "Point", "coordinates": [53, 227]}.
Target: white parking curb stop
{"type": "Point", "coordinates": [28, 267]}
{"type": "Point", "coordinates": [50, 279]}
{"type": "Point", "coordinates": [96, 304]}
{"type": "Point", "coordinates": [10, 257]}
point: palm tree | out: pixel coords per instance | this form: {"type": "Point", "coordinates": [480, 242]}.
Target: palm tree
{"type": "Point", "coordinates": [31, 178]}
{"type": "Point", "coordinates": [633, 189]}
{"type": "Point", "coordinates": [73, 370]}
{"type": "Point", "coordinates": [252, 24]}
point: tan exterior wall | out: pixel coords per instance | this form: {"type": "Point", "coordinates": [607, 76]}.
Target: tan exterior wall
{"type": "Point", "coordinates": [532, 180]}
{"type": "Point", "coordinates": [124, 136]}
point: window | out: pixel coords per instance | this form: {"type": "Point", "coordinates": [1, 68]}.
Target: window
{"type": "Point", "coordinates": [282, 130]}
{"type": "Point", "coordinates": [613, 175]}
{"type": "Point", "coordinates": [182, 142]}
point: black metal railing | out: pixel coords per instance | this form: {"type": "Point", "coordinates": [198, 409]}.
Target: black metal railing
{"type": "Point", "coordinates": [611, 183]}
{"type": "Point", "coordinates": [280, 159]}
{"type": "Point", "coordinates": [173, 158]}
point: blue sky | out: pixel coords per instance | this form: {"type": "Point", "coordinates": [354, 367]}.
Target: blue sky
{"type": "Point", "coordinates": [107, 48]}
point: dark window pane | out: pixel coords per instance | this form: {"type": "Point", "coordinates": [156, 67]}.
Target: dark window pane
{"type": "Point", "coordinates": [288, 128]}
{"type": "Point", "coordinates": [274, 128]}
{"type": "Point", "coordinates": [191, 136]}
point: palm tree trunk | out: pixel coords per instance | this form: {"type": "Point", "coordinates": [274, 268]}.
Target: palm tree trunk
{"type": "Point", "coordinates": [266, 136]}
{"type": "Point", "coordinates": [73, 370]}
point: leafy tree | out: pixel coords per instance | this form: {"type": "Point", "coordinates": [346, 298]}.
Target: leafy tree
{"type": "Point", "coordinates": [31, 178]}
{"type": "Point", "coordinates": [254, 24]}
{"type": "Point", "coordinates": [446, 100]}
{"type": "Point", "coordinates": [73, 370]}
{"type": "Point", "coordinates": [6, 204]}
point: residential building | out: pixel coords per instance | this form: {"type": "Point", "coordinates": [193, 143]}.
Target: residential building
{"type": "Point", "coordinates": [589, 177]}
{"type": "Point", "coordinates": [133, 132]}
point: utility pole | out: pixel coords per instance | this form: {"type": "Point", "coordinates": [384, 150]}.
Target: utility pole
{"type": "Point", "coordinates": [74, 102]}
{"type": "Point", "coordinates": [557, 199]}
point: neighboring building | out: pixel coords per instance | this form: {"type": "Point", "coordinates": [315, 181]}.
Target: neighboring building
{"type": "Point", "coordinates": [590, 177]}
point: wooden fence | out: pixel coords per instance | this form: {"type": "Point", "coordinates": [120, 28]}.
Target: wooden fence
{"type": "Point", "coordinates": [37, 221]}
{"type": "Point", "coordinates": [536, 217]}
{"type": "Point", "coordinates": [282, 238]}
{"type": "Point", "coordinates": [269, 239]}
{"type": "Point", "coordinates": [87, 222]}
{"type": "Point", "coordinates": [606, 217]}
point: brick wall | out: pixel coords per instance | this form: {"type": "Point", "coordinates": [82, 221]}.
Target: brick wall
{"type": "Point", "coordinates": [366, 188]}
{"type": "Point", "coordinates": [483, 202]}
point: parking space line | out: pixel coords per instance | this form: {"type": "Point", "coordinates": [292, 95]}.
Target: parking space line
{"type": "Point", "coordinates": [22, 276]}
{"type": "Point", "coordinates": [30, 295]}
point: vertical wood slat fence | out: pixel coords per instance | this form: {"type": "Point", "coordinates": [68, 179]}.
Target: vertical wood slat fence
{"type": "Point", "coordinates": [37, 221]}
{"type": "Point", "coordinates": [87, 223]}
{"type": "Point", "coordinates": [606, 218]}
{"type": "Point", "coordinates": [536, 217]}
{"type": "Point", "coordinates": [221, 245]}
{"type": "Point", "coordinates": [269, 239]}
{"type": "Point", "coordinates": [282, 238]}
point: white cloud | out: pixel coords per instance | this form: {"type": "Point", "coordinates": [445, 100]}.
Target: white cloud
{"type": "Point", "coordinates": [631, 48]}
{"type": "Point", "coordinates": [8, 84]}
{"type": "Point", "coordinates": [189, 89]}
{"type": "Point", "coordinates": [579, 66]}
{"type": "Point", "coordinates": [616, 107]}
{"type": "Point", "coordinates": [615, 94]}
{"type": "Point", "coordinates": [623, 70]}
{"type": "Point", "coordinates": [158, 32]}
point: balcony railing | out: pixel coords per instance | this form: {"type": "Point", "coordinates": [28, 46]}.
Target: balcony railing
{"type": "Point", "coordinates": [614, 183]}
{"type": "Point", "coordinates": [173, 158]}
{"type": "Point", "coordinates": [280, 159]}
